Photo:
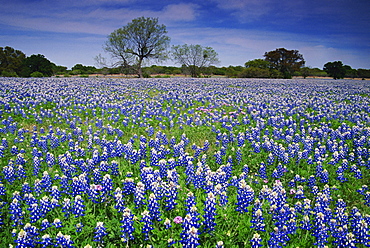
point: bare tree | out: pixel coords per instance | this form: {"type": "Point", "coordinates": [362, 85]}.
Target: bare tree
{"type": "Point", "coordinates": [195, 57]}
{"type": "Point", "coordinates": [142, 38]}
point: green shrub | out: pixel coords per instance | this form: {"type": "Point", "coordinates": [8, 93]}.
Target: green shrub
{"type": "Point", "coordinates": [36, 74]}
{"type": "Point", "coordinates": [9, 74]}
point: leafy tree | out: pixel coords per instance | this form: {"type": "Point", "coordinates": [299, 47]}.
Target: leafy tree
{"type": "Point", "coordinates": [59, 70]}
{"type": "Point", "coordinates": [254, 72]}
{"type": "Point", "coordinates": [37, 63]}
{"type": "Point", "coordinates": [36, 74]}
{"type": "Point", "coordinates": [351, 73]}
{"type": "Point", "coordinates": [82, 69]}
{"type": "Point", "coordinates": [258, 63]}
{"type": "Point", "coordinates": [11, 61]}
{"type": "Point", "coordinates": [285, 61]}
{"type": "Point", "coordinates": [142, 38]}
{"type": "Point", "coordinates": [335, 69]}
{"type": "Point", "coordinates": [363, 73]}
{"type": "Point", "coordinates": [194, 57]}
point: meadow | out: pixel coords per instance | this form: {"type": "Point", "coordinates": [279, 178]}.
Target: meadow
{"type": "Point", "coordinates": [89, 162]}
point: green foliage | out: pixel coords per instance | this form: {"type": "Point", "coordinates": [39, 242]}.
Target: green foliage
{"type": "Point", "coordinates": [195, 58]}
{"type": "Point", "coordinates": [37, 63]}
{"type": "Point", "coordinates": [10, 61]}
{"type": "Point", "coordinates": [6, 73]}
{"type": "Point", "coordinates": [257, 63]}
{"type": "Point", "coordinates": [142, 38]}
{"type": "Point", "coordinates": [36, 74]}
{"type": "Point", "coordinates": [82, 69]}
{"type": "Point", "coordinates": [335, 69]}
{"type": "Point", "coordinates": [254, 72]}
{"type": "Point", "coordinates": [285, 61]}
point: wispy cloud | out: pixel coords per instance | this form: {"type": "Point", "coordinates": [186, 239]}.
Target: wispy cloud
{"type": "Point", "coordinates": [81, 17]}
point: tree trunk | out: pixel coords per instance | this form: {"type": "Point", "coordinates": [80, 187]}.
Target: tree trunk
{"type": "Point", "coordinates": [139, 69]}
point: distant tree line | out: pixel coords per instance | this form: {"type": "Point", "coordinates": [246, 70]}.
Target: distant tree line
{"type": "Point", "coordinates": [194, 60]}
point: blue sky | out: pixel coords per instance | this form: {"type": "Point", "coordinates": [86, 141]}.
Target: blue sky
{"type": "Point", "coordinates": [73, 31]}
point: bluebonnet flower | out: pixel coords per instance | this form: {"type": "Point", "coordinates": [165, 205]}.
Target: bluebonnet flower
{"type": "Point", "coordinates": [63, 241]}
{"type": "Point", "coordinates": [299, 193]}
{"type": "Point", "coordinates": [20, 160]}
{"type": "Point", "coordinates": [148, 224]}
{"type": "Point", "coordinates": [218, 157]}
{"type": "Point", "coordinates": [278, 237]}
{"type": "Point", "coordinates": [4, 143]}
{"type": "Point", "coordinates": [190, 201]}
{"type": "Point", "coordinates": [245, 196]}
{"type": "Point", "coordinates": [57, 223]}
{"type": "Point", "coordinates": [187, 225]}
{"type": "Point", "coordinates": [167, 223]}
{"type": "Point", "coordinates": [257, 217]}
{"type": "Point", "coordinates": [16, 212]}
{"type": "Point", "coordinates": [14, 150]}
{"type": "Point", "coordinates": [128, 186]}
{"type": "Point", "coordinates": [193, 238]}
{"type": "Point", "coordinates": [153, 207]}
{"type": "Point", "coordinates": [120, 204]}
{"type": "Point", "coordinates": [97, 177]}
{"type": "Point", "coordinates": [79, 227]}
{"type": "Point", "coordinates": [94, 193]}
{"type": "Point", "coordinates": [50, 159]}
{"type": "Point", "coordinates": [23, 240]}
{"type": "Point", "coordinates": [26, 189]}
{"type": "Point", "coordinates": [45, 206]}
{"type": "Point", "coordinates": [9, 173]}
{"type": "Point", "coordinates": [209, 213]}
{"type": "Point", "coordinates": [46, 241]}
{"type": "Point", "coordinates": [107, 184]}
{"type": "Point", "coordinates": [46, 181]}
{"type": "Point", "coordinates": [35, 213]}
{"type": "Point", "coordinates": [100, 233]}
{"type": "Point", "coordinates": [139, 195]}
{"type": "Point", "coordinates": [78, 207]}
{"type": "Point", "coordinates": [127, 227]}
{"type": "Point", "coordinates": [114, 168]}
{"type": "Point", "coordinates": [55, 193]}
{"type": "Point", "coordinates": [45, 224]}
{"type": "Point", "coordinates": [262, 171]}
{"type": "Point", "coordinates": [256, 241]}
{"type": "Point", "coordinates": [305, 223]}
{"type": "Point", "coordinates": [324, 176]}
{"type": "Point", "coordinates": [64, 184]}
{"type": "Point", "coordinates": [171, 196]}
{"type": "Point", "coordinates": [340, 236]}
{"type": "Point", "coordinates": [321, 230]}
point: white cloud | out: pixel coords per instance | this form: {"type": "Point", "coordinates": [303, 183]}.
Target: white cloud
{"type": "Point", "coordinates": [245, 10]}
{"type": "Point", "coordinates": [93, 20]}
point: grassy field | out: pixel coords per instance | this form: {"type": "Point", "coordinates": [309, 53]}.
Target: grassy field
{"type": "Point", "coordinates": [182, 162]}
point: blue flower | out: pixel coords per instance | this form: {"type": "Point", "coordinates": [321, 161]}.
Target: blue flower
{"type": "Point", "coordinates": [153, 207]}
{"type": "Point", "coordinates": [78, 207]}
{"type": "Point", "coordinates": [139, 194]}
{"type": "Point", "coordinates": [209, 213]}
{"type": "Point", "coordinates": [100, 232]}
{"type": "Point", "coordinates": [57, 223]}
{"type": "Point", "coordinates": [257, 217]}
{"type": "Point", "coordinates": [127, 227]}
{"type": "Point", "coordinates": [245, 196]}
{"type": "Point", "coordinates": [64, 241]}
{"type": "Point", "coordinates": [45, 224]}
{"type": "Point", "coordinates": [46, 241]}
{"type": "Point", "coordinates": [16, 212]}
{"type": "Point", "coordinates": [256, 241]}
{"type": "Point", "coordinates": [148, 224]}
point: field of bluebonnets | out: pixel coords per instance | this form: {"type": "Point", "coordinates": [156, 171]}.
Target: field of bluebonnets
{"type": "Point", "coordinates": [184, 163]}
